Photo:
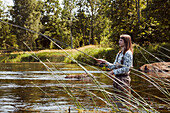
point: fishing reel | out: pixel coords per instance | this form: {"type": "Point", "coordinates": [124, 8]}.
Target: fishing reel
{"type": "Point", "coordinates": [103, 66]}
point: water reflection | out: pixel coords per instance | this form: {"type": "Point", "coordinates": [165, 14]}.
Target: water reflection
{"type": "Point", "coordinates": [29, 87]}
{"type": "Point", "coordinates": [24, 87]}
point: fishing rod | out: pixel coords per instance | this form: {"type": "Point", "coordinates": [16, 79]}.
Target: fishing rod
{"type": "Point", "coordinates": [100, 61]}
{"type": "Point", "coordinates": [51, 39]}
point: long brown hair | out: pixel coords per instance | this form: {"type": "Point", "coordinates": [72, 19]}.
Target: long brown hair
{"type": "Point", "coordinates": [128, 42]}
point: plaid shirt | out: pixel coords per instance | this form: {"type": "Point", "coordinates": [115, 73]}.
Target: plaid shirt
{"type": "Point", "coordinates": [118, 67]}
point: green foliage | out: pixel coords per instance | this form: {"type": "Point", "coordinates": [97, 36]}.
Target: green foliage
{"type": "Point", "coordinates": [52, 24]}
{"type": "Point", "coordinates": [6, 36]}
{"type": "Point", "coordinates": [83, 22]}
{"type": "Point", "coordinates": [109, 54]}
{"type": "Point", "coordinates": [28, 57]}
{"type": "Point", "coordinates": [26, 13]}
{"type": "Point", "coordinates": [158, 50]}
{"type": "Point", "coordinates": [102, 53]}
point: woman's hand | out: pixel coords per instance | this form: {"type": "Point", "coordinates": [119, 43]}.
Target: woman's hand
{"type": "Point", "coordinates": [101, 61]}
{"type": "Point", "coordinates": [111, 72]}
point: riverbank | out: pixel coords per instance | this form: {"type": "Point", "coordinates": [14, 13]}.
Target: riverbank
{"type": "Point", "coordinates": [34, 56]}
{"type": "Point", "coordinates": [151, 53]}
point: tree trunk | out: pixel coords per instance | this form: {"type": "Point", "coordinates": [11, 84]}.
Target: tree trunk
{"type": "Point", "coordinates": [71, 30]}
{"type": "Point", "coordinates": [90, 35]}
{"type": "Point", "coordinates": [147, 3]}
{"type": "Point", "coordinates": [138, 11]}
{"type": "Point", "coordinates": [92, 29]}
{"type": "Point", "coordinates": [71, 37]}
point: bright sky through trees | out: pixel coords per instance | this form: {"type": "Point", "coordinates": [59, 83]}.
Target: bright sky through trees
{"type": "Point", "coordinates": [10, 2]}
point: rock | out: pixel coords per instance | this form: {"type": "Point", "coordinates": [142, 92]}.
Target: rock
{"type": "Point", "coordinates": [158, 69]}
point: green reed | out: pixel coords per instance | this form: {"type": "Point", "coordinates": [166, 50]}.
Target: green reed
{"type": "Point", "coordinates": [141, 103]}
{"type": "Point", "coordinates": [64, 87]}
{"type": "Point", "coordinates": [135, 100]}
{"type": "Point", "coordinates": [138, 101]}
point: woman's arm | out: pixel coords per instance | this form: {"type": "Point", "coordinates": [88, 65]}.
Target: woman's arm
{"type": "Point", "coordinates": [110, 65]}
{"type": "Point", "coordinates": [127, 63]}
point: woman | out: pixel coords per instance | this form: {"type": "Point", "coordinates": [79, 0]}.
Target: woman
{"type": "Point", "coordinates": [122, 64]}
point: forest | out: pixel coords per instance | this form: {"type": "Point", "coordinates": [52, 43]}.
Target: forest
{"type": "Point", "coordinates": [83, 22]}
{"type": "Point", "coordinates": [49, 54]}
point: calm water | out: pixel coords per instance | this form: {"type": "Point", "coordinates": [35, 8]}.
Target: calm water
{"type": "Point", "coordinates": [30, 87]}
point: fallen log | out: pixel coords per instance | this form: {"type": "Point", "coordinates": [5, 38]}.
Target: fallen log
{"type": "Point", "coordinates": [79, 76]}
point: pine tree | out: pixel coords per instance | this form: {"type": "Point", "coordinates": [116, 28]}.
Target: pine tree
{"type": "Point", "coordinates": [6, 37]}
{"type": "Point", "coordinates": [26, 13]}
{"type": "Point", "coordinates": [68, 17]}
{"type": "Point", "coordinates": [51, 22]}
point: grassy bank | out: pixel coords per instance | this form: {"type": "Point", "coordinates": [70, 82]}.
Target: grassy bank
{"type": "Point", "coordinates": [141, 54]}
{"type": "Point", "coordinates": [31, 57]}
{"type": "Point", "coordinates": [151, 53]}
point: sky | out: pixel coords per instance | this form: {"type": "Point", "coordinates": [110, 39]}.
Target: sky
{"type": "Point", "coordinates": [10, 2]}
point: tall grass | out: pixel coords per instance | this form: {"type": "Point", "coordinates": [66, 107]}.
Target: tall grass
{"type": "Point", "coordinates": [142, 57]}
{"type": "Point", "coordinates": [139, 104]}
{"type": "Point", "coordinates": [136, 102]}
{"type": "Point", "coordinates": [27, 57]}
{"type": "Point", "coordinates": [147, 53]}
{"type": "Point", "coordinates": [109, 54]}
{"type": "Point", "coordinates": [99, 52]}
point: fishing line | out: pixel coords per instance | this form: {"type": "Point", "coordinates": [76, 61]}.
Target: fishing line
{"type": "Point", "coordinates": [51, 39]}
{"type": "Point", "coordinates": [51, 73]}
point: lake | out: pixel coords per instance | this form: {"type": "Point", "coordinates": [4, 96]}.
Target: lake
{"type": "Point", "coordinates": [31, 87]}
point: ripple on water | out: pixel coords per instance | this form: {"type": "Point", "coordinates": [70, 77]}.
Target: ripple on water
{"type": "Point", "coordinates": [43, 72]}
{"type": "Point", "coordinates": [38, 75]}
